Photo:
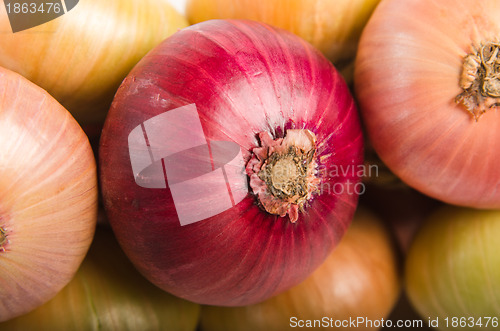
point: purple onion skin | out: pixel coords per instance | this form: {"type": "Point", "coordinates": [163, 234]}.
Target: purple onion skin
{"type": "Point", "coordinates": [244, 77]}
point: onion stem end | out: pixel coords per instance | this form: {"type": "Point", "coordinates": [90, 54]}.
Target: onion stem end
{"type": "Point", "coordinates": [3, 239]}
{"type": "Point", "coordinates": [480, 79]}
{"type": "Point", "coordinates": [283, 172]}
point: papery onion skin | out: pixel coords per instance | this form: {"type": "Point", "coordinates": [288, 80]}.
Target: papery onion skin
{"type": "Point", "coordinates": [331, 26]}
{"type": "Point", "coordinates": [244, 78]}
{"type": "Point", "coordinates": [453, 266]}
{"type": "Point", "coordinates": [107, 293]}
{"type": "Point", "coordinates": [48, 195]}
{"type": "Point", "coordinates": [407, 76]}
{"type": "Point", "coordinates": [81, 57]}
{"type": "Point", "coordinates": [359, 279]}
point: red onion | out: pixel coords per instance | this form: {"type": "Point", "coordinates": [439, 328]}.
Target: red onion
{"type": "Point", "coordinates": [359, 279]}
{"type": "Point", "coordinates": [231, 89]}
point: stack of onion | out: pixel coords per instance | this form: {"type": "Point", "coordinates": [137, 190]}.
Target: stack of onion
{"type": "Point", "coordinates": [427, 83]}
{"type": "Point", "coordinates": [81, 57]}
{"type": "Point", "coordinates": [359, 279]}
{"type": "Point", "coordinates": [280, 104]}
{"type": "Point", "coordinates": [48, 196]}
{"type": "Point", "coordinates": [108, 294]}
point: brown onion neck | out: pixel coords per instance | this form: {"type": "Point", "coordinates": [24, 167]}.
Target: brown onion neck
{"type": "Point", "coordinates": [480, 79]}
{"type": "Point", "coordinates": [3, 239]}
{"type": "Point", "coordinates": [283, 172]}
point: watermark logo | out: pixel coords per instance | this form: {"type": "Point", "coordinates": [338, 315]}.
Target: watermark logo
{"type": "Point", "coordinates": [171, 149]}
{"type": "Point", "coordinates": [26, 14]}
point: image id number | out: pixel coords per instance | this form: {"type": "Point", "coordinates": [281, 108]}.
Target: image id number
{"type": "Point", "coordinates": [33, 8]}
{"type": "Point", "coordinates": [471, 322]}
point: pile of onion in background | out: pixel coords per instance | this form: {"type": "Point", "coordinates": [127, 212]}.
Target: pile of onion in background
{"type": "Point", "coordinates": [422, 243]}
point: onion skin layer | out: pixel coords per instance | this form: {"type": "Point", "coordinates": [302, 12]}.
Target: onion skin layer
{"type": "Point", "coordinates": [244, 78]}
{"type": "Point", "coordinates": [107, 293]}
{"type": "Point", "coordinates": [359, 279]}
{"type": "Point", "coordinates": [48, 195]}
{"type": "Point", "coordinates": [81, 57]}
{"type": "Point", "coordinates": [406, 79]}
{"type": "Point", "coordinates": [333, 27]}
{"type": "Point", "coordinates": [453, 266]}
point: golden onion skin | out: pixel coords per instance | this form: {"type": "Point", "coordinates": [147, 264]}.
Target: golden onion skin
{"type": "Point", "coordinates": [332, 26]}
{"type": "Point", "coordinates": [107, 293]}
{"type": "Point", "coordinates": [81, 58]}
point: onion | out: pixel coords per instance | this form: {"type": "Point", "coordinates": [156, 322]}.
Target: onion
{"type": "Point", "coordinates": [48, 196]}
{"type": "Point", "coordinates": [358, 280]}
{"type": "Point", "coordinates": [409, 80]}
{"type": "Point", "coordinates": [452, 269]}
{"type": "Point", "coordinates": [261, 99]}
{"type": "Point", "coordinates": [81, 57]}
{"type": "Point", "coordinates": [333, 27]}
{"type": "Point", "coordinates": [107, 293]}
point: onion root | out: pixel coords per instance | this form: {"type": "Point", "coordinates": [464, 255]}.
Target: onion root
{"type": "Point", "coordinates": [283, 172]}
{"type": "Point", "coordinates": [3, 239]}
{"type": "Point", "coordinates": [480, 79]}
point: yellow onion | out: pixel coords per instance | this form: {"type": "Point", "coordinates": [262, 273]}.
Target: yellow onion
{"type": "Point", "coordinates": [332, 26]}
{"type": "Point", "coordinates": [81, 57]}
{"type": "Point", "coordinates": [107, 293]}
{"type": "Point", "coordinates": [453, 269]}
{"type": "Point", "coordinates": [48, 196]}
{"type": "Point", "coordinates": [358, 280]}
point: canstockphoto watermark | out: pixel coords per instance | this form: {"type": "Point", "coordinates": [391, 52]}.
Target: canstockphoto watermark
{"type": "Point", "coordinates": [347, 187]}
{"type": "Point", "coordinates": [337, 179]}
{"type": "Point", "coordinates": [348, 170]}
{"type": "Point", "coordinates": [477, 322]}
{"type": "Point", "coordinates": [353, 323]}
{"type": "Point", "coordinates": [26, 14]}
{"type": "Point", "coordinates": [354, 173]}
